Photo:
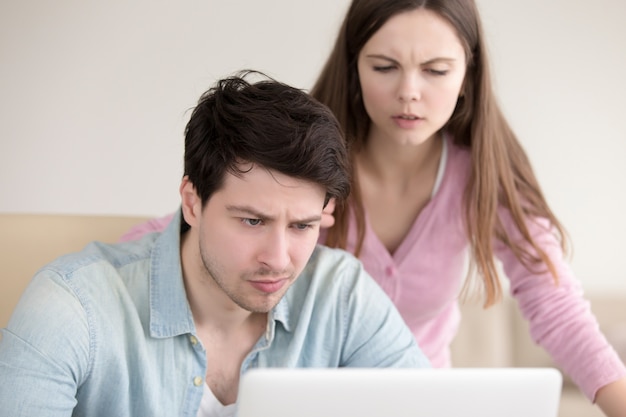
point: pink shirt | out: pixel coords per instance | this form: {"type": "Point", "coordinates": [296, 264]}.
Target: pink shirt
{"type": "Point", "coordinates": [425, 275]}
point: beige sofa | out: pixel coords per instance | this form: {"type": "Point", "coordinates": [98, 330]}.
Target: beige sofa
{"type": "Point", "coordinates": [495, 337]}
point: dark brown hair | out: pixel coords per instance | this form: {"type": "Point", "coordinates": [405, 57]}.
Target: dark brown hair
{"type": "Point", "coordinates": [269, 124]}
{"type": "Point", "coordinates": [501, 174]}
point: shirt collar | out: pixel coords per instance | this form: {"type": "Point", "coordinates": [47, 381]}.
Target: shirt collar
{"type": "Point", "coordinates": [281, 313]}
{"type": "Point", "coordinates": [170, 314]}
{"type": "Point", "coordinates": [287, 311]}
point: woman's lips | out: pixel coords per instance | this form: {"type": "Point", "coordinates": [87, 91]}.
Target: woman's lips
{"type": "Point", "coordinates": [407, 121]}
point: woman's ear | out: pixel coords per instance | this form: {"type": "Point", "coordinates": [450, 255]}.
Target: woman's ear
{"type": "Point", "coordinates": [190, 202]}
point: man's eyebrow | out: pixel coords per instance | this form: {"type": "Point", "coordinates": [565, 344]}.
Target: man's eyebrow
{"type": "Point", "coordinates": [253, 213]}
{"type": "Point", "coordinates": [249, 211]}
{"type": "Point", "coordinates": [312, 219]}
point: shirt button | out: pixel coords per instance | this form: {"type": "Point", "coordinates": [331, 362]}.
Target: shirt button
{"type": "Point", "coordinates": [390, 271]}
{"type": "Point", "coordinates": [197, 381]}
{"type": "Point", "coordinates": [193, 340]}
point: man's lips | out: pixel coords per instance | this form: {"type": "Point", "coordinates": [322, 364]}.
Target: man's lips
{"type": "Point", "coordinates": [269, 286]}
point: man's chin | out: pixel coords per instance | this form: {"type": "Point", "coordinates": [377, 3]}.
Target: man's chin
{"type": "Point", "coordinates": [262, 306]}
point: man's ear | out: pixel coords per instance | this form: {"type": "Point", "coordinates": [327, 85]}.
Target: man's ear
{"type": "Point", "coordinates": [190, 202]}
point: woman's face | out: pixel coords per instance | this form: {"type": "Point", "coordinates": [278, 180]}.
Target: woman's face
{"type": "Point", "coordinates": [411, 72]}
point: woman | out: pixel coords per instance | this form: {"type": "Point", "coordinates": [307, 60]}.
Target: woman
{"type": "Point", "coordinates": [438, 171]}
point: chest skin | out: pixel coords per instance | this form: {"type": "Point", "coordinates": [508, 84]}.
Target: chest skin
{"type": "Point", "coordinates": [225, 352]}
{"type": "Point", "coordinates": [395, 191]}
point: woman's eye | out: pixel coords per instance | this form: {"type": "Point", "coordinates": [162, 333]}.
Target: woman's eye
{"type": "Point", "coordinates": [383, 68]}
{"type": "Point", "coordinates": [437, 72]}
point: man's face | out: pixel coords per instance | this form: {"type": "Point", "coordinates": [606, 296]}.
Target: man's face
{"type": "Point", "coordinates": [256, 234]}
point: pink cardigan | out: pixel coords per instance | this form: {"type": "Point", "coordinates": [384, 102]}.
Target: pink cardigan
{"type": "Point", "coordinates": [425, 274]}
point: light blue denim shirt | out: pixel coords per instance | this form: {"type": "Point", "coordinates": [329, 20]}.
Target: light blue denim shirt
{"type": "Point", "coordinates": [109, 332]}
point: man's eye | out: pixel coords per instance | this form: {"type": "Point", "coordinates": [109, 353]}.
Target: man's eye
{"type": "Point", "coordinates": [303, 226]}
{"type": "Point", "coordinates": [252, 222]}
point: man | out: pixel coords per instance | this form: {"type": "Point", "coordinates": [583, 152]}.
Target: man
{"type": "Point", "coordinates": [165, 326]}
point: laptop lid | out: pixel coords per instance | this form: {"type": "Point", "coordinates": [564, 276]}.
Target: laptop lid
{"type": "Point", "coordinates": [387, 392]}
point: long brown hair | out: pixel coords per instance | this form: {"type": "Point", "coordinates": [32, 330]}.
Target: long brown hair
{"type": "Point", "coordinates": [501, 174]}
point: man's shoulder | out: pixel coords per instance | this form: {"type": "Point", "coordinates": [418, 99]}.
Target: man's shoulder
{"type": "Point", "coordinates": [324, 258]}
{"type": "Point", "coordinates": [331, 269]}
{"type": "Point", "coordinates": [102, 274]}
{"type": "Point", "coordinates": [101, 256]}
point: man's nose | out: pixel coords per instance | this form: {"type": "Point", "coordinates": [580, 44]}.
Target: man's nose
{"type": "Point", "coordinates": [274, 252]}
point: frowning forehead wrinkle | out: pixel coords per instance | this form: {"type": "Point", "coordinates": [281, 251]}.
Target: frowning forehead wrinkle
{"type": "Point", "coordinates": [254, 213]}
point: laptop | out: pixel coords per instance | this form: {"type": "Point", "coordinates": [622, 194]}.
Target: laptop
{"type": "Point", "coordinates": [393, 392]}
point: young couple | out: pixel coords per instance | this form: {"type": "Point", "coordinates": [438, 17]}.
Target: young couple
{"type": "Point", "coordinates": [436, 173]}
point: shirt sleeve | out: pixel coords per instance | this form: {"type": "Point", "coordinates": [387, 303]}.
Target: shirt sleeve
{"type": "Point", "coordinates": [44, 351]}
{"type": "Point", "coordinates": [559, 316]}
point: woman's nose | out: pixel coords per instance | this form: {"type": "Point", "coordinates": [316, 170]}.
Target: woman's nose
{"type": "Point", "coordinates": [410, 88]}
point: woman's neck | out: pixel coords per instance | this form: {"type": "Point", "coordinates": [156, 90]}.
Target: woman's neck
{"type": "Point", "coordinates": [392, 163]}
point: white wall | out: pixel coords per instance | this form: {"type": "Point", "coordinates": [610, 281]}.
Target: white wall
{"type": "Point", "coordinates": [95, 96]}
{"type": "Point", "coordinates": [560, 67]}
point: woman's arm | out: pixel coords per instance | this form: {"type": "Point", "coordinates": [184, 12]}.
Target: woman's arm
{"type": "Point", "coordinates": [153, 225]}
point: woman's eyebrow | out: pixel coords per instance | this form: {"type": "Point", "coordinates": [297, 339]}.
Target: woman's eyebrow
{"type": "Point", "coordinates": [430, 61]}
